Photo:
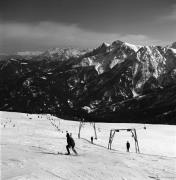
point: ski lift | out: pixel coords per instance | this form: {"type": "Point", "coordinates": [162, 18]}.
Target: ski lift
{"type": "Point", "coordinates": [82, 124]}
{"type": "Point", "coordinates": [134, 135]}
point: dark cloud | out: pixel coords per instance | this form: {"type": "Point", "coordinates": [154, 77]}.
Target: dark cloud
{"type": "Point", "coordinates": [73, 22]}
{"type": "Point", "coordinates": [22, 36]}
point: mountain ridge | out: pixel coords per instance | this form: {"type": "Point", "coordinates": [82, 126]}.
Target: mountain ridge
{"type": "Point", "coordinates": [101, 79]}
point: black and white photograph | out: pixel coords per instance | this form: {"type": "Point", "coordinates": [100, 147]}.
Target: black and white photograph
{"type": "Point", "coordinates": [88, 90]}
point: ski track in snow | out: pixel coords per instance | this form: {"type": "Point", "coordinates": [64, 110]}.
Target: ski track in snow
{"type": "Point", "coordinates": [30, 145]}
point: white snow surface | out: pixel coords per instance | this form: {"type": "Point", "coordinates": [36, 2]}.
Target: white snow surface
{"type": "Point", "coordinates": [173, 50]}
{"type": "Point", "coordinates": [30, 146]}
{"type": "Point", "coordinates": [132, 46]}
{"type": "Point", "coordinates": [107, 44]}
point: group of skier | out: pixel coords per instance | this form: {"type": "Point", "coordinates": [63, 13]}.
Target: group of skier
{"type": "Point", "coordinates": [71, 144]}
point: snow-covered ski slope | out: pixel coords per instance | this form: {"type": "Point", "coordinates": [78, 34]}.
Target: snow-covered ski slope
{"type": "Point", "coordinates": [30, 146]}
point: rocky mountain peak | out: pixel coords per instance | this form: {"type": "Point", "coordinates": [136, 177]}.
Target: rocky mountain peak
{"type": "Point", "coordinates": [173, 45]}
{"type": "Point", "coordinates": [117, 43]}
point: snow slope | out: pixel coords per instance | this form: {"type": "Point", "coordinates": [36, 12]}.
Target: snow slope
{"type": "Point", "coordinates": [30, 146]}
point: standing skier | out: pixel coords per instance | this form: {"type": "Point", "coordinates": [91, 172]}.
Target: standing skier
{"type": "Point", "coordinates": [128, 146]}
{"type": "Point", "coordinates": [70, 144]}
{"type": "Point", "coordinates": [91, 139]}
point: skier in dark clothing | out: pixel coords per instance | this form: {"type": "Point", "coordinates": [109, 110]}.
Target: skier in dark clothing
{"type": "Point", "coordinates": [128, 146]}
{"type": "Point", "coordinates": [91, 139]}
{"type": "Point", "coordinates": [70, 144]}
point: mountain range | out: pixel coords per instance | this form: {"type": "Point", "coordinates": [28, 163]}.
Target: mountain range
{"type": "Point", "coordinates": [118, 82]}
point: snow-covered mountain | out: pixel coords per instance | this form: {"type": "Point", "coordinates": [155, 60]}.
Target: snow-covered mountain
{"type": "Point", "coordinates": [60, 54]}
{"type": "Point", "coordinates": [63, 53]}
{"type": "Point", "coordinates": [113, 80]}
{"type": "Point", "coordinates": [106, 56]}
{"type": "Point", "coordinates": [29, 53]}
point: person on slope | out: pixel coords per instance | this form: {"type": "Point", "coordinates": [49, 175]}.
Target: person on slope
{"type": "Point", "coordinates": [70, 144]}
{"type": "Point", "coordinates": [128, 146]}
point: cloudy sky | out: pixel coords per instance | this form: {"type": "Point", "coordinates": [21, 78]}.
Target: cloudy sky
{"type": "Point", "coordinates": [43, 24]}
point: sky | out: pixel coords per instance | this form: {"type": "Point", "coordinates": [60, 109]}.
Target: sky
{"type": "Point", "coordinates": [43, 24]}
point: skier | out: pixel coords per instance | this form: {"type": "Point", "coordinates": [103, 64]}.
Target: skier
{"type": "Point", "coordinates": [128, 146]}
{"type": "Point", "coordinates": [70, 144]}
{"type": "Point", "coordinates": [91, 139]}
